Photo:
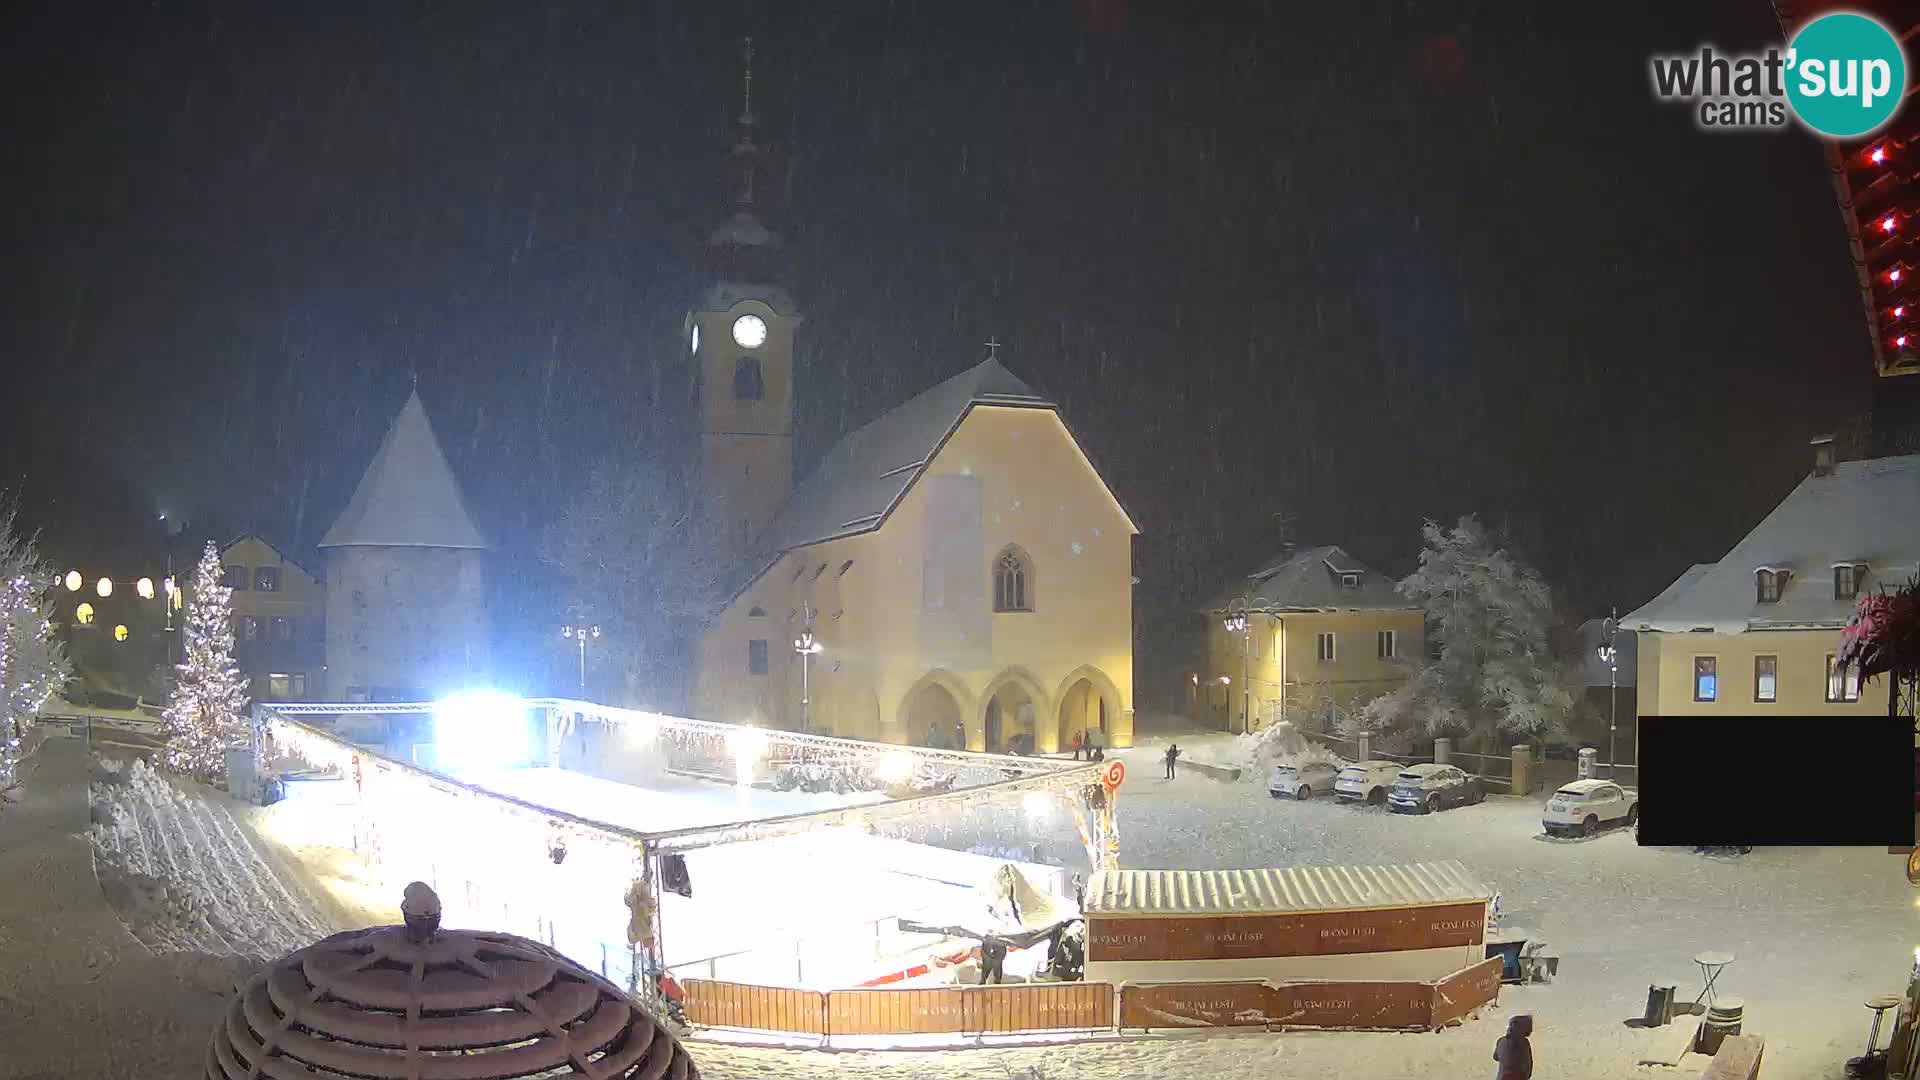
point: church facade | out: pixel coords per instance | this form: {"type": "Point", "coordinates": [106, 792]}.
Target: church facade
{"type": "Point", "coordinates": [954, 572]}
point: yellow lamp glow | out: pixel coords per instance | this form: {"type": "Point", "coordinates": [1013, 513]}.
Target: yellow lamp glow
{"type": "Point", "coordinates": [105, 587]}
{"type": "Point", "coordinates": [144, 587]}
{"type": "Point", "coordinates": [84, 613]}
{"type": "Point", "coordinates": [74, 581]}
{"type": "Point", "coordinates": [120, 632]}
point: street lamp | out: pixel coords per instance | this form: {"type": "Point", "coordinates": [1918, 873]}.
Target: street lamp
{"type": "Point", "coordinates": [1237, 622]}
{"type": "Point", "coordinates": [807, 647]}
{"type": "Point", "coordinates": [1610, 656]}
{"type": "Point", "coordinates": [580, 633]}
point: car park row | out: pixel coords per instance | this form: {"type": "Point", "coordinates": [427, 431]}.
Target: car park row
{"type": "Point", "coordinates": [1580, 808]}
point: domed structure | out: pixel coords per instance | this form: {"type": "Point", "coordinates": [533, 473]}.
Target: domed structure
{"type": "Point", "coordinates": [415, 1002]}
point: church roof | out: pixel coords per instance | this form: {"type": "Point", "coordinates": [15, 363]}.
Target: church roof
{"type": "Point", "coordinates": [408, 497]}
{"type": "Point", "coordinates": [1308, 579]}
{"type": "Point", "coordinates": [870, 469]}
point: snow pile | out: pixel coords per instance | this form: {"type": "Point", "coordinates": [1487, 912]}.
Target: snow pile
{"type": "Point", "coordinates": [1257, 753]}
{"type": "Point", "coordinates": [183, 876]}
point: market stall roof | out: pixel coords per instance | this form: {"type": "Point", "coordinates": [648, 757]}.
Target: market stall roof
{"type": "Point", "coordinates": [1293, 888]}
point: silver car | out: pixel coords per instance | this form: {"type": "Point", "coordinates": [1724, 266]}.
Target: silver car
{"type": "Point", "coordinates": [1302, 781]}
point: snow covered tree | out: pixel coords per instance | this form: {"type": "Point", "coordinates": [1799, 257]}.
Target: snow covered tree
{"type": "Point", "coordinates": [639, 560]}
{"type": "Point", "coordinates": [33, 666]}
{"type": "Point", "coordinates": [1489, 620]}
{"type": "Point", "coordinates": [207, 712]}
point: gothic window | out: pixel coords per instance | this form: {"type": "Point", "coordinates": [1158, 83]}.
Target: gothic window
{"type": "Point", "coordinates": [757, 656]}
{"type": "Point", "coordinates": [746, 379]}
{"type": "Point", "coordinates": [1012, 580]}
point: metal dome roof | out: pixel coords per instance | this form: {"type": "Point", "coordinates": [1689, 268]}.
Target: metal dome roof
{"type": "Point", "coordinates": [415, 1002]}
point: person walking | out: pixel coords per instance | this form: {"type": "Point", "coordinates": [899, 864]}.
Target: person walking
{"type": "Point", "coordinates": [1514, 1053]}
{"type": "Point", "coordinates": [1079, 739]}
{"type": "Point", "coordinates": [1173, 755]}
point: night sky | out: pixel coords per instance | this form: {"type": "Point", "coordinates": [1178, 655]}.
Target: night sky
{"type": "Point", "coordinates": [1361, 264]}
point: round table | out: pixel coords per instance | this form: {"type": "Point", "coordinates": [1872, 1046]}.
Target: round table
{"type": "Point", "coordinates": [1711, 964]}
{"type": "Point", "coordinates": [1879, 1003]}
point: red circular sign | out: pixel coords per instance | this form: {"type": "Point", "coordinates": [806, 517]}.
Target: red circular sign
{"type": "Point", "coordinates": [1111, 776]}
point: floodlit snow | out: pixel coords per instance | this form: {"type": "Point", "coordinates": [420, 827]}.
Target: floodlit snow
{"type": "Point", "coordinates": [665, 804]}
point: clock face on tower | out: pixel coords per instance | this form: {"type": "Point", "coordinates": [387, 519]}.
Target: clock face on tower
{"type": "Point", "coordinates": [749, 331]}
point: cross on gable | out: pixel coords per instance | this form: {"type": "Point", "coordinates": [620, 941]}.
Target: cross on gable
{"type": "Point", "coordinates": [993, 348]}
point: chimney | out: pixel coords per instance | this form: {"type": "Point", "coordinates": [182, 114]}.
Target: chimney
{"type": "Point", "coordinates": [1823, 456]}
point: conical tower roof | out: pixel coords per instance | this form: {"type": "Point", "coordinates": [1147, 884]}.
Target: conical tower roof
{"type": "Point", "coordinates": [408, 498]}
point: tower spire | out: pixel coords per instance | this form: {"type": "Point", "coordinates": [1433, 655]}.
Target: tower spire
{"type": "Point", "coordinates": [746, 95]}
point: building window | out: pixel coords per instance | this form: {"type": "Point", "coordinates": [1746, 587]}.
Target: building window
{"type": "Point", "coordinates": [757, 656]}
{"type": "Point", "coordinates": [1846, 581]}
{"type": "Point", "coordinates": [1766, 678]}
{"type": "Point", "coordinates": [279, 686]}
{"type": "Point", "coordinates": [1843, 683]}
{"type": "Point", "coordinates": [235, 577]}
{"type": "Point", "coordinates": [756, 612]}
{"type": "Point", "coordinates": [266, 579]}
{"type": "Point", "coordinates": [249, 628]}
{"type": "Point", "coordinates": [1706, 678]}
{"type": "Point", "coordinates": [1389, 643]}
{"type": "Point", "coordinates": [1323, 644]}
{"type": "Point", "coordinates": [1770, 583]}
{"type": "Point", "coordinates": [747, 384]}
{"type": "Point", "coordinates": [1349, 581]}
{"type": "Point", "coordinates": [1012, 580]}
{"type": "Point", "coordinates": [282, 628]}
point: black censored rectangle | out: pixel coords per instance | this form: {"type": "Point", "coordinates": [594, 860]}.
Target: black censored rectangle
{"type": "Point", "coordinates": [1776, 781]}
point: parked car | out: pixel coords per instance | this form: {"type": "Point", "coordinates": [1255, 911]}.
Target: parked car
{"type": "Point", "coordinates": [1430, 788]}
{"type": "Point", "coordinates": [1302, 781]}
{"type": "Point", "coordinates": [1366, 781]}
{"type": "Point", "coordinates": [1586, 806]}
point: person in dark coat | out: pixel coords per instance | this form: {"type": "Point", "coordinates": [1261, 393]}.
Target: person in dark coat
{"type": "Point", "coordinates": [993, 956]}
{"type": "Point", "coordinates": [1173, 755]}
{"type": "Point", "coordinates": [1514, 1052]}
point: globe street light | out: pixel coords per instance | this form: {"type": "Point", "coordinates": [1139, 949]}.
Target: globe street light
{"type": "Point", "coordinates": [1610, 655]}
{"type": "Point", "coordinates": [579, 634]}
{"type": "Point", "coordinates": [1237, 622]}
{"type": "Point", "coordinates": [806, 647]}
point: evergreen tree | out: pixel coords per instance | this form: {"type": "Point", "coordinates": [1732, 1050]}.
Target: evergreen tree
{"type": "Point", "coordinates": [1493, 674]}
{"type": "Point", "coordinates": [208, 709]}
{"type": "Point", "coordinates": [33, 666]}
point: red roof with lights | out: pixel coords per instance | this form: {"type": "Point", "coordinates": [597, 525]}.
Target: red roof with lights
{"type": "Point", "coordinates": [1878, 182]}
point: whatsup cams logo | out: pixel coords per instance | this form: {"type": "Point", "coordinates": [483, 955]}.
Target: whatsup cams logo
{"type": "Point", "coordinates": [1841, 76]}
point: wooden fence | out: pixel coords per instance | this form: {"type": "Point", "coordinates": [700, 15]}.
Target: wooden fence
{"type": "Point", "coordinates": [1025, 1007]}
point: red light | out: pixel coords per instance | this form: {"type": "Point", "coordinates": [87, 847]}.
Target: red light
{"type": "Point", "coordinates": [1879, 155]}
{"type": "Point", "coordinates": [1900, 312]}
{"type": "Point", "coordinates": [1900, 342]}
{"type": "Point", "coordinates": [1893, 274]}
{"type": "Point", "coordinates": [1887, 223]}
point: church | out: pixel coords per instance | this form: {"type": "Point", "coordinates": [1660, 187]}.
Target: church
{"type": "Point", "coordinates": [954, 573]}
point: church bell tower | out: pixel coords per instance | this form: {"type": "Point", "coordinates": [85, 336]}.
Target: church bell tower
{"type": "Point", "coordinates": [740, 336]}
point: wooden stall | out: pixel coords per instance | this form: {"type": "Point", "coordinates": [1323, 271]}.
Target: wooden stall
{"type": "Point", "coordinates": [1318, 1004]}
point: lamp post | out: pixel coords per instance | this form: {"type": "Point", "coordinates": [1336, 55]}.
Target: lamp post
{"type": "Point", "coordinates": [806, 646]}
{"type": "Point", "coordinates": [1237, 622]}
{"type": "Point", "coordinates": [579, 633]}
{"type": "Point", "coordinates": [1610, 656]}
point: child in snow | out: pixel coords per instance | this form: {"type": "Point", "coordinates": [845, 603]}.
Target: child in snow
{"type": "Point", "coordinates": [1513, 1052]}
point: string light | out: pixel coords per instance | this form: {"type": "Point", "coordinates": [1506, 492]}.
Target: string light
{"type": "Point", "coordinates": [1877, 155]}
{"type": "Point", "coordinates": [1888, 224]}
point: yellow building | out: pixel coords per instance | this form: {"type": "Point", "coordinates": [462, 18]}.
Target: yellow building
{"type": "Point", "coordinates": [279, 621]}
{"type": "Point", "coordinates": [954, 570]}
{"type": "Point", "coordinates": [1312, 630]}
{"type": "Point", "coordinates": [1757, 631]}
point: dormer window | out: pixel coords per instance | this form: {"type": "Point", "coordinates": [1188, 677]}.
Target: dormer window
{"type": "Point", "coordinates": [1349, 581]}
{"type": "Point", "coordinates": [1846, 580]}
{"type": "Point", "coordinates": [1770, 583]}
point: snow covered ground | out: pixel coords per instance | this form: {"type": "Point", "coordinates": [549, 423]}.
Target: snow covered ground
{"type": "Point", "coordinates": [1814, 932]}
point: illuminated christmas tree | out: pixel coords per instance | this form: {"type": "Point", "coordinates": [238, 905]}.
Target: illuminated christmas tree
{"type": "Point", "coordinates": [33, 667]}
{"type": "Point", "coordinates": [208, 710]}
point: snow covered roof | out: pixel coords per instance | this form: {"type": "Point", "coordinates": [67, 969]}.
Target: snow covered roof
{"type": "Point", "coordinates": [870, 470]}
{"type": "Point", "coordinates": [723, 295]}
{"type": "Point", "coordinates": [1310, 580]}
{"type": "Point", "coordinates": [1865, 512]}
{"type": "Point", "coordinates": [408, 497]}
{"type": "Point", "coordinates": [743, 230]}
{"type": "Point", "coordinates": [1294, 888]}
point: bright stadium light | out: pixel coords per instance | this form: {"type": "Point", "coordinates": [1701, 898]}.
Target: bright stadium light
{"type": "Point", "coordinates": [895, 768]}
{"type": "Point", "coordinates": [481, 729]}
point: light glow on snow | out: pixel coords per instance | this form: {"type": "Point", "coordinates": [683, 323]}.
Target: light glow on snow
{"type": "Point", "coordinates": [895, 768]}
{"type": "Point", "coordinates": [1039, 805]}
{"type": "Point", "coordinates": [480, 728]}
{"type": "Point", "coordinates": [745, 744]}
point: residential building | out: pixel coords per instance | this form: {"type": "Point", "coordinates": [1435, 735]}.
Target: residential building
{"type": "Point", "coordinates": [1757, 631]}
{"type": "Point", "coordinates": [1323, 631]}
{"type": "Point", "coordinates": [279, 621]}
{"type": "Point", "coordinates": [405, 612]}
{"type": "Point", "coordinates": [963, 571]}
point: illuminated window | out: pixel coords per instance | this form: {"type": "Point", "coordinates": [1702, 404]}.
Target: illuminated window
{"type": "Point", "coordinates": [1843, 683]}
{"type": "Point", "coordinates": [266, 579]}
{"type": "Point", "coordinates": [1706, 678]}
{"type": "Point", "coordinates": [1012, 580]}
{"type": "Point", "coordinates": [757, 656]}
{"type": "Point", "coordinates": [1766, 678]}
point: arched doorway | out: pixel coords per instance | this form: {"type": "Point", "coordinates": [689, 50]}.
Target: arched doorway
{"type": "Point", "coordinates": [933, 717]}
{"type": "Point", "coordinates": [1089, 705]}
{"type": "Point", "coordinates": [1010, 720]}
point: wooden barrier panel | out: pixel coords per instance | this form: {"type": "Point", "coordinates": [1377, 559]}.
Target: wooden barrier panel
{"type": "Point", "coordinates": [895, 1012]}
{"type": "Point", "coordinates": [1198, 1004]}
{"type": "Point", "coordinates": [1737, 1059]}
{"type": "Point", "coordinates": [1003, 1010]}
{"type": "Point", "coordinates": [1357, 1004]}
{"type": "Point", "coordinates": [1313, 933]}
{"type": "Point", "coordinates": [760, 1008]}
{"type": "Point", "coordinates": [1466, 990]}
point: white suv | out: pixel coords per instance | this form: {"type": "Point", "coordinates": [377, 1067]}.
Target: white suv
{"type": "Point", "coordinates": [1585, 806]}
{"type": "Point", "coordinates": [1366, 781]}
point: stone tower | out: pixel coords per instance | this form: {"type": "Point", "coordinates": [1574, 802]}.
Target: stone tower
{"type": "Point", "coordinates": [740, 336]}
{"type": "Point", "coordinates": [406, 615]}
